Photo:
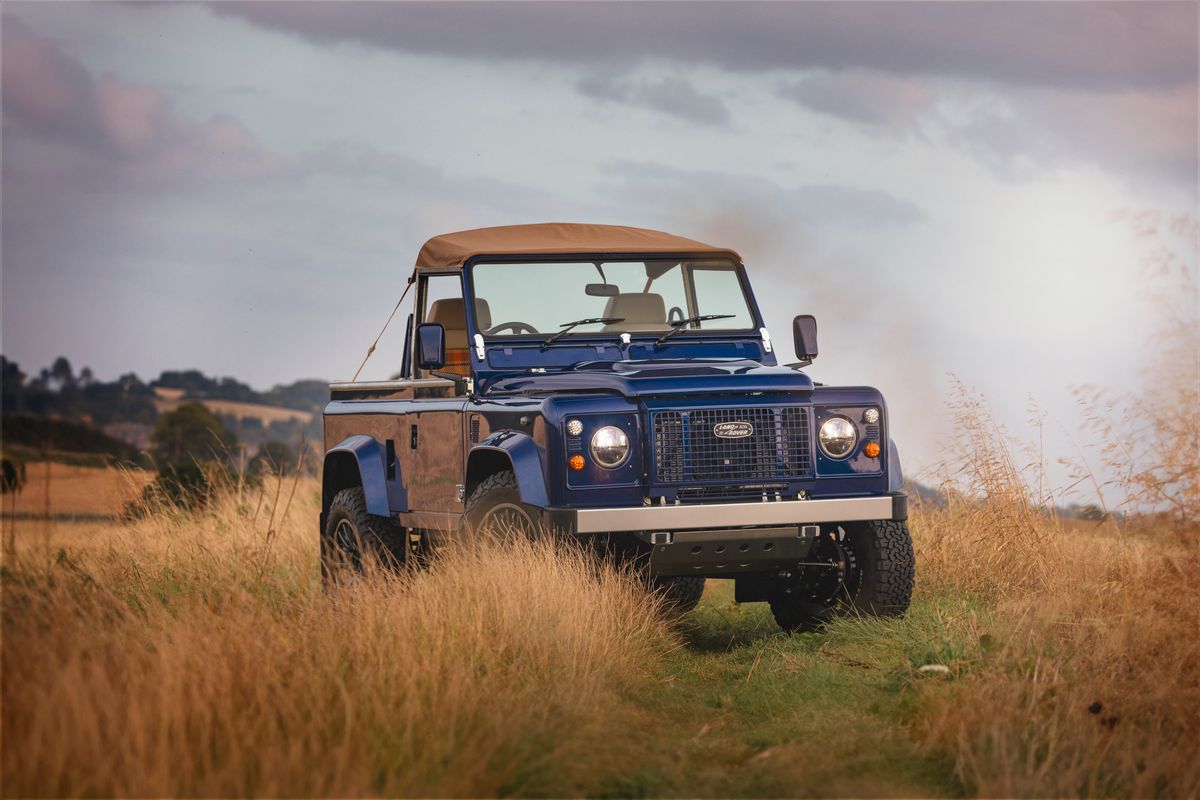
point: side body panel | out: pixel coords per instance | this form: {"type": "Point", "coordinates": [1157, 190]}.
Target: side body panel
{"type": "Point", "coordinates": [422, 427]}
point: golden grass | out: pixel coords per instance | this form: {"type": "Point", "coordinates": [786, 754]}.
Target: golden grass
{"type": "Point", "coordinates": [1081, 674]}
{"type": "Point", "coordinates": [197, 655]}
{"type": "Point", "coordinates": [58, 489]}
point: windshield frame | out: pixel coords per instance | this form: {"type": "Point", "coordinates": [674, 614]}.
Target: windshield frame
{"type": "Point", "coordinates": [612, 336]}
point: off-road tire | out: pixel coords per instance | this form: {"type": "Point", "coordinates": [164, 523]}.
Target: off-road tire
{"type": "Point", "coordinates": [888, 568]}
{"type": "Point", "coordinates": [497, 499]}
{"type": "Point", "coordinates": [880, 584]}
{"type": "Point", "coordinates": [679, 594]}
{"type": "Point", "coordinates": [352, 538]}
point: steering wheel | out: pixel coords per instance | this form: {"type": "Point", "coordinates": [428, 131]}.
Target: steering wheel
{"type": "Point", "coordinates": [671, 317]}
{"type": "Point", "coordinates": [515, 326]}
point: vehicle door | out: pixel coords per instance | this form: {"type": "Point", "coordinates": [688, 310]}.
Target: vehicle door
{"type": "Point", "coordinates": [431, 457]}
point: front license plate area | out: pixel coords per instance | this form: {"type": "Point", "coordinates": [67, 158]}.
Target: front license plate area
{"type": "Point", "coordinates": [720, 552]}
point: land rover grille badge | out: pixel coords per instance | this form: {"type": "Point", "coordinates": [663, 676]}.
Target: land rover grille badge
{"type": "Point", "coordinates": [733, 430]}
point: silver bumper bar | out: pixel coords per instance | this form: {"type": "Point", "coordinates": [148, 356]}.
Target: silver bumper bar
{"type": "Point", "coordinates": [737, 515]}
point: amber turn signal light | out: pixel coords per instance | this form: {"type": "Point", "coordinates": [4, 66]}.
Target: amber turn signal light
{"type": "Point", "coordinates": [872, 449]}
{"type": "Point", "coordinates": [576, 462]}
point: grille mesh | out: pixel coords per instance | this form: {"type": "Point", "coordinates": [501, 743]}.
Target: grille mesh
{"type": "Point", "coordinates": [687, 449]}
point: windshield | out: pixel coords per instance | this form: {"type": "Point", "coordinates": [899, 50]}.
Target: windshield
{"type": "Point", "coordinates": [610, 297]}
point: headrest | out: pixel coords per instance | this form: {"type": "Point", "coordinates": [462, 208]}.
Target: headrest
{"type": "Point", "coordinates": [451, 313]}
{"type": "Point", "coordinates": [645, 311]}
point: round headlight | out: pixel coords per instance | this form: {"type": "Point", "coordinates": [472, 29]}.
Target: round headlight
{"type": "Point", "coordinates": [610, 447]}
{"type": "Point", "coordinates": [837, 437]}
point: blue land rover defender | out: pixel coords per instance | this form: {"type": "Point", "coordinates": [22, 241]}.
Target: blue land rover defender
{"type": "Point", "coordinates": [618, 385]}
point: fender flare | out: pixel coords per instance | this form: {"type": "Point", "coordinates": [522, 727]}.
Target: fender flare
{"type": "Point", "coordinates": [369, 462]}
{"type": "Point", "coordinates": [895, 471]}
{"type": "Point", "coordinates": [524, 456]}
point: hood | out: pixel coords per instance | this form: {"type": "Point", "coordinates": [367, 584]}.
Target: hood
{"type": "Point", "coordinates": [662, 377]}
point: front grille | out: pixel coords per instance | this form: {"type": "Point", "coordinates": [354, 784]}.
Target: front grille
{"type": "Point", "coordinates": [775, 444]}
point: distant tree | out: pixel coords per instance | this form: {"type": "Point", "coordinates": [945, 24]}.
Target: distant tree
{"type": "Point", "coordinates": [61, 373]}
{"type": "Point", "coordinates": [192, 381]}
{"type": "Point", "coordinates": [86, 377]}
{"type": "Point", "coordinates": [189, 434]}
{"type": "Point", "coordinates": [305, 395]}
{"type": "Point", "coordinates": [12, 385]}
{"type": "Point", "coordinates": [230, 389]}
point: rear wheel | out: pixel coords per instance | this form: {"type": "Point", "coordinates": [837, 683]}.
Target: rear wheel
{"type": "Point", "coordinates": [857, 568]}
{"type": "Point", "coordinates": [353, 539]}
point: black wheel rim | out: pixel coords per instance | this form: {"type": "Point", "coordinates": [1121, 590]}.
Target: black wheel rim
{"type": "Point", "coordinates": [508, 520]}
{"type": "Point", "coordinates": [347, 542]}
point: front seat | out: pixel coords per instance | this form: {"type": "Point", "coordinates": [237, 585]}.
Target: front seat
{"type": "Point", "coordinates": [451, 315]}
{"type": "Point", "coordinates": [641, 312]}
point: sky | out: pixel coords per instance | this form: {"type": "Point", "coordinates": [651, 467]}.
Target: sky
{"type": "Point", "coordinates": [949, 188]}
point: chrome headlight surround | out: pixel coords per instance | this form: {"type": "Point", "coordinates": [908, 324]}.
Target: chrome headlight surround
{"type": "Point", "coordinates": [609, 447]}
{"type": "Point", "coordinates": [837, 437]}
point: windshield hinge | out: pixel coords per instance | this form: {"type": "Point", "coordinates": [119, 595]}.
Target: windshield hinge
{"type": "Point", "coordinates": [479, 346]}
{"type": "Point", "coordinates": [766, 337]}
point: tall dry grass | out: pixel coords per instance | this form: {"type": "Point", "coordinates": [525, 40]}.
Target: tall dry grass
{"type": "Point", "coordinates": [195, 654]}
{"type": "Point", "coordinates": [1080, 663]}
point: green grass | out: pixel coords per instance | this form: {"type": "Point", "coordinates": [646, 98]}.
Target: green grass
{"type": "Point", "coordinates": [742, 709]}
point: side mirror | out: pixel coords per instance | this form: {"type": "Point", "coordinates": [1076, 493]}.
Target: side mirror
{"type": "Point", "coordinates": [804, 329]}
{"type": "Point", "coordinates": [431, 346]}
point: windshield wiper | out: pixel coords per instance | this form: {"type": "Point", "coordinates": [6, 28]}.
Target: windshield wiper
{"type": "Point", "coordinates": [676, 327]}
{"type": "Point", "coordinates": [567, 326]}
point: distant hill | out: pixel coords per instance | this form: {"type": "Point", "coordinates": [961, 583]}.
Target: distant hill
{"type": "Point", "coordinates": [304, 395]}
{"type": "Point", "coordinates": [30, 438]}
{"type": "Point", "coordinates": [125, 410]}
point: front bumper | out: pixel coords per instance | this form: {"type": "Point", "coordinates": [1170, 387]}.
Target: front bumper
{"type": "Point", "coordinates": [675, 518]}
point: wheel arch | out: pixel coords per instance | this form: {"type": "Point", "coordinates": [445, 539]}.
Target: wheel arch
{"type": "Point", "coordinates": [509, 450]}
{"type": "Point", "coordinates": [357, 461]}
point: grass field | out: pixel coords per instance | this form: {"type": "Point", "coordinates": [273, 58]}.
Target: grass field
{"type": "Point", "coordinates": [195, 654]}
{"type": "Point", "coordinates": [55, 489]}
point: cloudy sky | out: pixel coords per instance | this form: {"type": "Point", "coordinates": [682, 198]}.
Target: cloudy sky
{"type": "Point", "coordinates": [948, 187]}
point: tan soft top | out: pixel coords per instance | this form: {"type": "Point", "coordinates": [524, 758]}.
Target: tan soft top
{"type": "Point", "coordinates": [451, 250]}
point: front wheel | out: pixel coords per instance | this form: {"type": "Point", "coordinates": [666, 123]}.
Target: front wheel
{"type": "Point", "coordinates": [856, 568]}
{"type": "Point", "coordinates": [495, 509]}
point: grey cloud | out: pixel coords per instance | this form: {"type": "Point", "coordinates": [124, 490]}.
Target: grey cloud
{"type": "Point", "coordinates": [1094, 45]}
{"type": "Point", "coordinates": [673, 96]}
{"type": "Point", "coordinates": [867, 98]}
{"type": "Point", "coordinates": [1148, 132]}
